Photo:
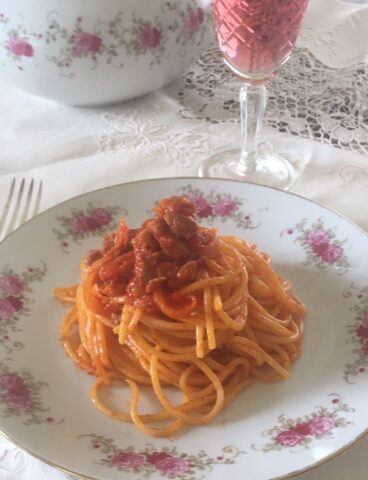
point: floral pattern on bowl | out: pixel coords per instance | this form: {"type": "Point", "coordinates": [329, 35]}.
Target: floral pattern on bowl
{"type": "Point", "coordinates": [358, 332]}
{"type": "Point", "coordinates": [94, 221]}
{"type": "Point", "coordinates": [20, 42]}
{"type": "Point", "coordinates": [215, 207]}
{"type": "Point", "coordinates": [320, 244]}
{"type": "Point", "coordinates": [302, 431]}
{"type": "Point", "coordinates": [20, 396]}
{"type": "Point", "coordinates": [165, 461]}
{"type": "Point", "coordinates": [108, 41]}
{"type": "Point", "coordinates": [15, 300]}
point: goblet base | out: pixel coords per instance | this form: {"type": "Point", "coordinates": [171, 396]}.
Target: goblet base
{"type": "Point", "coordinates": [267, 168]}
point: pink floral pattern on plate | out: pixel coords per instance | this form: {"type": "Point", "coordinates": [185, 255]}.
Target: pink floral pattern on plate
{"type": "Point", "coordinates": [358, 332]}
{"type": "Point", "coordinates": [215, 207]}
{"type": "Point", "coordinates": [166, 461]}
{"type": "Point", "coordinates": [302, 431]}
{"type": "Point", "coordinates": [20, 396]}
{"type": "Point", "coordinates": [94, 221]}
{"type": "Point", "coordinates": [322, 248]}
{"type": "Point", "coordinates": [15, 300]}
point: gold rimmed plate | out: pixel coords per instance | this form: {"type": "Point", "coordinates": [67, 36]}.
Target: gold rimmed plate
{"type": "Point", "coordinates": [44, 399]}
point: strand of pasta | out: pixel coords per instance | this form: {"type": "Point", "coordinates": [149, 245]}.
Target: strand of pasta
{"type": "Point", "coordinates": [240, 324]}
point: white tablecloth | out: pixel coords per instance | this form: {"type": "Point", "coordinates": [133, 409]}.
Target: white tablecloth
{"type": "Point", "coordinates": [318, 107]}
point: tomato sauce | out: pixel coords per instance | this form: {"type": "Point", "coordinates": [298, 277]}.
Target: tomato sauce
{"type": "Point", "coordinates": [145, 267]}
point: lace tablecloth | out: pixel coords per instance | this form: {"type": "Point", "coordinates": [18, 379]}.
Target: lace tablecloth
{"type": "Point", "coordinates": [318, 107]}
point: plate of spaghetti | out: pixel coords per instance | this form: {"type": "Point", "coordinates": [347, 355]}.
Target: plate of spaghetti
{"type": "Point", "coordinates": [184, 329]}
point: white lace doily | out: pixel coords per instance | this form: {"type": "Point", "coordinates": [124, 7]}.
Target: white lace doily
{"type": "Point", "coordinates": [306, 98]}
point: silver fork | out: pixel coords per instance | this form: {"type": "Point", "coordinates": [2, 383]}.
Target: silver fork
{"type": "Point", "coordinates": [18, 206]}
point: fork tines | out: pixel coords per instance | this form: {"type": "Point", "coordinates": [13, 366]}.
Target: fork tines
{"type": "Point", "coordinates": [22, 203]}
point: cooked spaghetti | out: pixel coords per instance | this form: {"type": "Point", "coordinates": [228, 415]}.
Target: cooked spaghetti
{"type": "Point", "coordinates": [173, 305]}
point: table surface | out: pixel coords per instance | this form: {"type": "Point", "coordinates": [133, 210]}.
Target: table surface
{"type": "Point", "coordinates": [317, 107]}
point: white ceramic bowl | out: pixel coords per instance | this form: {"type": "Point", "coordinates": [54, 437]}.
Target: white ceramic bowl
{"type": "Point", "coordinates": [91, 52]}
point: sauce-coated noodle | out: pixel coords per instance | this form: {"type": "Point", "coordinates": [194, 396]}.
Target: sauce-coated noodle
{"type": "Point", "coordinates": [172, 304]}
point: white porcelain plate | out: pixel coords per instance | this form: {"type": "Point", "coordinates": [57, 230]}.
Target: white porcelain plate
{"type": "Point", "coordinates": [269, 431]}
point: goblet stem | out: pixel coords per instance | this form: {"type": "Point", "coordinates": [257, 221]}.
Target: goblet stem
{"type": "Point", "coordinates": [253, 101]}
{"type": "Point", "coordinates": [257, 163]}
